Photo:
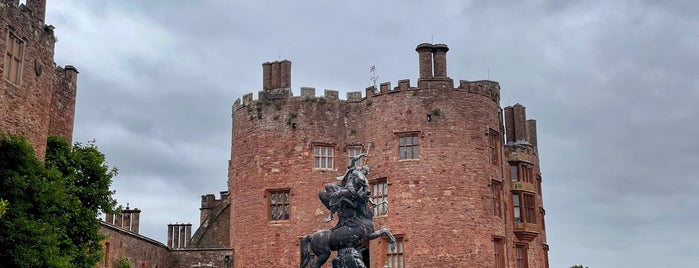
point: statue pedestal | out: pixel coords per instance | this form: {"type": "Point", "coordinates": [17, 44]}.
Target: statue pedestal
{"type": "Point", "coordinates": [348, 258]}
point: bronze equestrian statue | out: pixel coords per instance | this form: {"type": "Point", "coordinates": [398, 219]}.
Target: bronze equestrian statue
{"type": "Point", "coordinates": [351, 200]}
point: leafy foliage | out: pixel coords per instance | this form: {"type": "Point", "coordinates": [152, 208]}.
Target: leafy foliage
{"type": "Point", "coordinates": [578, 266]}
{"type": "Point", "coordinates": [123, 262]}
{"type": "Point", "coordinates": [52, 220]}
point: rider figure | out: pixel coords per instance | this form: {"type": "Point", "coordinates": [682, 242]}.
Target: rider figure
{"type": "Point", "coordinates": [354, 185]}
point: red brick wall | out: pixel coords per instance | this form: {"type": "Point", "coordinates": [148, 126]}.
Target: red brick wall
{"type": "Point", "coordinates": [136, 248]}
{"type": "Point", "coordinates": [441, 203]}
{"type": "Point", "coordinates": [26, 109]}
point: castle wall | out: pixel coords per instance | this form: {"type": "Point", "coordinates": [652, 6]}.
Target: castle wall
{"type": "Point", "coordinates": [441, 204]}
{"type": "Point", "coordinates": [26, 104]}
{"type": "Point", "coordinates": [138, 249]}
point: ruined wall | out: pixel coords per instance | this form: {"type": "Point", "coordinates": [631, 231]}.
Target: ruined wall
{"type": "Point", "coordinates": [26, 105]}
{"type": "Point", "coordinates": [441, 203]}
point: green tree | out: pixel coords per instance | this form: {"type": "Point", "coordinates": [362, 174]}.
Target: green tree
{"type": "Point", "coordinates": [52, 220]}
{"type": "Point", "coordinates": [578, 266]}
{"type": "Point", "coordinates": [3, 206]}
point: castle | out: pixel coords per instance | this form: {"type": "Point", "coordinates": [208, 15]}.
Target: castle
{"type": "Point", "coordinates": [461, 174]}
{"type": "Point", "coordinates": [37, 97]}
{"type": "Point", "coordinates": [463, 186]}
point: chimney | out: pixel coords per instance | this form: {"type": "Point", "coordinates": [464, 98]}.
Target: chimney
{"type": "Point", "coordinates": [285, 74]}
{"type": "Point", "coordinates": [267, 76]}
{"type": "Point", "coordinates": [169, 235]}
{"type": "Point", "coordinates": [424, 52]}
{"type": "Point", "coordinates": [38, 8]}
{"type": "Point", "coordinates": [520, 120]}
{"type": "Point", "coordinates": [510, 124]}
{"type": "Point", "coordinates": [440, 60]}
{"type": "Point", "coordinates": [135, 220]}
{"type": "Point", "coordinates": [208, 202]}
{"type": "Point", "coordinates": [275, 74]}
{"type": "Point", "coordinates": [531, 127]}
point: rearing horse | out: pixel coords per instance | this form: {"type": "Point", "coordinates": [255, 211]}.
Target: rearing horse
{"type": "Point", "coordinates": [355, 225]}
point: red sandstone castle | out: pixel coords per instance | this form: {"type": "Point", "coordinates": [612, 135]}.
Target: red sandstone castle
{"type": "Point", "coordinates": [37, 98]}
{"type": "Point", "coordinates": [460, 174]}
{"type": "Point", "coordinates": [463, 186]}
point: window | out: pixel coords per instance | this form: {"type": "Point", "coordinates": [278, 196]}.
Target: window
{"type": "Point", "coordinates": [279, 205]}
{"type": "Point", "coordinates": [538, 184]}
{"type": "Point", "coordinates": [496, 191]}
{"type": "Point", "coordinates": [499, 249]}
{"type": "Point", "coordinates": [13, 59]}
{"type": "Point", "coordinates": [395, 256]}
{"type": "Point", "coordinates": [351, 153]}
{"type": "Point", "coordinates": [379, 195]}
{"type": "Point", "coordinates": [408, 146]}
{"type": "Point", "coordinates": [323, 157]}
{"type": "Point", "coordinates": [521, 172]}
{"type": "Point", "coordinates": [523, 207]}
{"type": "Point", "coordinates": [521, 255]}
{"type": "Point", "coordinates": [494, 145]}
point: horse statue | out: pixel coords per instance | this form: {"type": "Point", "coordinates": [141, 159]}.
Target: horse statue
{"type": "Point", "coordinates": [351, 200]}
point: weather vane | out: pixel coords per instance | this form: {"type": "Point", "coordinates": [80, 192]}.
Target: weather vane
{"type": "Point", "coordinates": [374, 77]}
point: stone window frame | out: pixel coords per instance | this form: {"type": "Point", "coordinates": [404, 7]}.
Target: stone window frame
{"type": "Point", "coordinates": [494, 144]}
{"type": "Point", "coordinates": [352, 151]}
{"type": "Point", "coordinates": [413, 146]}
{"type": "Point", "coordinates": [274, 205]}
{"type": "Point", "coordinates": [521, 255]}
{"type": "Point", "coordinates": [522, 171]}
{"type": "Point", "coordinates": [524, 204]}
{"type": "Point", "coordinates": [499, 251]}
{"type": "Point", "coordinates": [381, 210]}
{"type": "Point", "coordinates": [10, 59]}
{"type": "Point", "coordinates": [331, 148]}
{"type": "Point", "coordinates": [396, 256]}
{"type": "Point", "coordinates": [496, 191]}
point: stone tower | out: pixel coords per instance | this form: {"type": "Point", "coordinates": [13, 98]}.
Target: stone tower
{"type": "Point", "coordinates": [37, 98]}
{"type": "Point", "coordinates": [460, 192]}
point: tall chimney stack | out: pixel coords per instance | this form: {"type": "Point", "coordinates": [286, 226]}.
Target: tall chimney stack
{"type": "Point", "coordinates": [424, 52]}
{"type": "Point", "coordinates": [440, 60]}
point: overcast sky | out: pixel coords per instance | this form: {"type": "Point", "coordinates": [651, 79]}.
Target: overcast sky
{"type": "Point", "coordinates": [614, 86]}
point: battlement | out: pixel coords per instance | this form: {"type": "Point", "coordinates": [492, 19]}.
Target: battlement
{"type": "Point", "coordinates": [33, 8]}
{"type": "Point", "coordinates": [276, 82]}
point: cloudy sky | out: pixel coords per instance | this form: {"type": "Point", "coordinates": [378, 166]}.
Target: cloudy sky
{"type": "Point", "coordinates": [614, 86]}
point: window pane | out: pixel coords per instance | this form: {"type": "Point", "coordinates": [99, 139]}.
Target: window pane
{"type": "Point", "coordinates": [316, 150]}
{"type": "Point", "coordinates": [414, 140]}
{"type": "Point", "coordinates": [415, 153]}
{"type": "Point", "coordinates": [401, 141]}
{"type": "Point", "coordinates": [515, 200]}
{"type": "Point", "coordinates": [330, 162]}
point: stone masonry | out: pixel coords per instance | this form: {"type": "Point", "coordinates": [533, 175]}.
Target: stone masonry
{"type": "Point", "coordinates": [451, 205]}
{"type": "Point", "coordinates": [42, 101]}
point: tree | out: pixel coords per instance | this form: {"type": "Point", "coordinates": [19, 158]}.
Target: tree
{"type": "Point", "coordinates": [52, 220]}
{"type": "Point", "coordinates": [578, 266]}
{"type": "Point", "coordinates": [3, 206]}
